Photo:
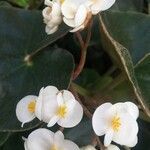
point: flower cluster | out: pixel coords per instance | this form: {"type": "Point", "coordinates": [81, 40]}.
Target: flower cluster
{"type": "Point", "coordinates": [51, 106]}
{"type": "Point", "coordinates": [74, 13]}
{"type": "Point", "coordinates": [117, 122]}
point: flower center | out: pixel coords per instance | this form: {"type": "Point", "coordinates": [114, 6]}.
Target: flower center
{"type": "Point", "coordinates": [31, 106]}
{"type": "Point", "coordinates": [53, 147]}
{"type": "Point", "coordinates": [62, 110]}
{"type": "Point", "coordinates": [62, 1]}
{"type": "Point", "coordinates": [116, 123]}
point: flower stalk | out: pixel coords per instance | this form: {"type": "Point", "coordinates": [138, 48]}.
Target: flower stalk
{"type": "Point", "coordinates": [84, 47]}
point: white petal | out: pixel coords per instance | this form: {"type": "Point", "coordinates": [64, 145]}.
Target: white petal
{"type": "Point", "coordinates": [133, 142]}
{"type": "Point", "coordinates": [128, 130]}
{"type": "Point", "coordinates": [89, 147]}
{"type": "Point", "coordinates": [133, 109]}
{"type": "Point", "coordinates": [64, 96]}
{"type": "Point", "coordinates": [60, 99]}
{"type": "Point", "coordinates": [118, 108]}
{"type": "Point", "coordinates": [69, 145]}
{"type": "Point", "coordinates": [108, 137]}
{"type": "Point", "coordinates": [50, 104]}
{"type": "Point", "coordinates": [48, 3]}
{"type": "Point", "coordinates": [67, 95]}
{"type": "Point", "coordinates": [53, 121]}
{"type": "Point", "coordinates": [25, 146]}
{"type": "Point", "coordinates": [69, 22]}
{"type": "Point", "coordinates": [59, 138]}
{"type": "Point", "coordinates": [78, 28]}
{"type": "Point", "coordinates": [56, 10]}
{"type": "Point", "coordinates": [22, 112]}
{"type": "Point", "coordinates": [112, 147]}
{"type": "Point", "coordinates": [101, 5]}
{"type": "Point", "coordinates": [68, 9]}
{"type": "Point", "coordinates": [81, 15]}
{"type": "Point", "coordinates": [38, 107]}
{"type": "Point", "coordinates": [73, 116]}
{"type": "Point", "coordinates": [55, 21]}
{"type": "Point", "coordinates": [51, 30]}
{"type": "Point", "coordinates": [40, 139]}
{"type": "Point", "coordinates": [99, 120]}
{"type": "Point", "coordinates": [47, 13]}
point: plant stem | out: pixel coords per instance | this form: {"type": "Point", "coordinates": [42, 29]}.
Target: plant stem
{"type": "Point", "coordinates": [82, 91]}
{"type": "Point", "coordinates": [84, 46]}
{"type": "Point", "coordinates": [88, 114]}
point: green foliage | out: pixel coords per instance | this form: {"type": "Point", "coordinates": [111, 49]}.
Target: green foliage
{"type": "Point", "coordinates": [143, 73]}
{"type": "Point", "coordinates": [131, 29]}
{"type": "Point", "coordinates": [3, 137]}
{"type": "Point", "coordinates": [23, 3]}
{"type": "Point", "coordinates": [117, 66]}
{"type": "Point", "coordinates": [20, 77]}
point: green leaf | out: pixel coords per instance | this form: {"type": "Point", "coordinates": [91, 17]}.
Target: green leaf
{"type": "Point", "coordinates": [87, 77]}
{"type": "Point", "coordinates": [4, 4]}
{"type": "Point", "coordinates": [92, 81]}
{"type": "Point", "coordinates": [131, 30]}
{"type": "Point", "coordinates": [24, 31]}
{"type": "Point", "coordinates": [128, 5]}
{"type": "Point", "coordinates": [3, 137]}
{"type": "Point", "coordinates": [122, 56]}
{"type": "Point", "coordinates": [122, 92]}
{"type": "Point", "coordinates": [142, 71]}
{"type": "Point", "coordinates": [82, 134]}
{"type": "Point", "coordinates": [22, 3]}
{"type": "Point", "coordinates": [15, 141]}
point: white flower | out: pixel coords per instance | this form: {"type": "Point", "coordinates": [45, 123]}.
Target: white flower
{"type": "Point", "coordinates": [117, 122]}
{"type": "Point", "coordinates": [44, 139]}
{"type": "Point", "coordinates": [59, 107]}
{"type": "Point", "coordinates": [76, 13]}
{"type": "Point", "coordinates": [25, 109]}
{"type": "Point", "coordinates": [89, 147]}
{"type": "Point", "coordinates": [52, 16]}
{"type": "Point", "coordinates": [100, 5]}
{"type": "Point", "coordinates": [112, 147]}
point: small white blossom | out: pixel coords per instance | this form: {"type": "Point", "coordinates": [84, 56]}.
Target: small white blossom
{"type": "Point", "coordinates": [76, 14]}
{"type": "Point", "coordinates": [100, 5]}
{"type": "Point", "coordinates": [52, 16]}
{"type": "Point", "coordinates": [59, 107]}
{"type": "Point", "coordinates": [44, 139]}
{"type": "Point", "coordinates": [112, 147]}
{"type": "Point", "coordinates": [25, 109]}
{"type": "Point", "coordinates": [117, 122]}
{"type": "Point", "coordinates": [89, 147]}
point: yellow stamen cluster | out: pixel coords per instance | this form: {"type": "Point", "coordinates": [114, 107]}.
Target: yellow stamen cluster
{"type": "Point", "coordinates": [62, 110]}
{"type": "Point", "coordinates": [62, 1]}
{"type": "Point", "coordinates": [53, 147]}
{"type": "Point", "coordinates": [31, 106]}
{"type": "Point", "coordinates": [116, 123]}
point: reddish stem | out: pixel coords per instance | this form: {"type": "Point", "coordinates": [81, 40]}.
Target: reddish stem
{"type": "Point", "coordinates": [84, 46]}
